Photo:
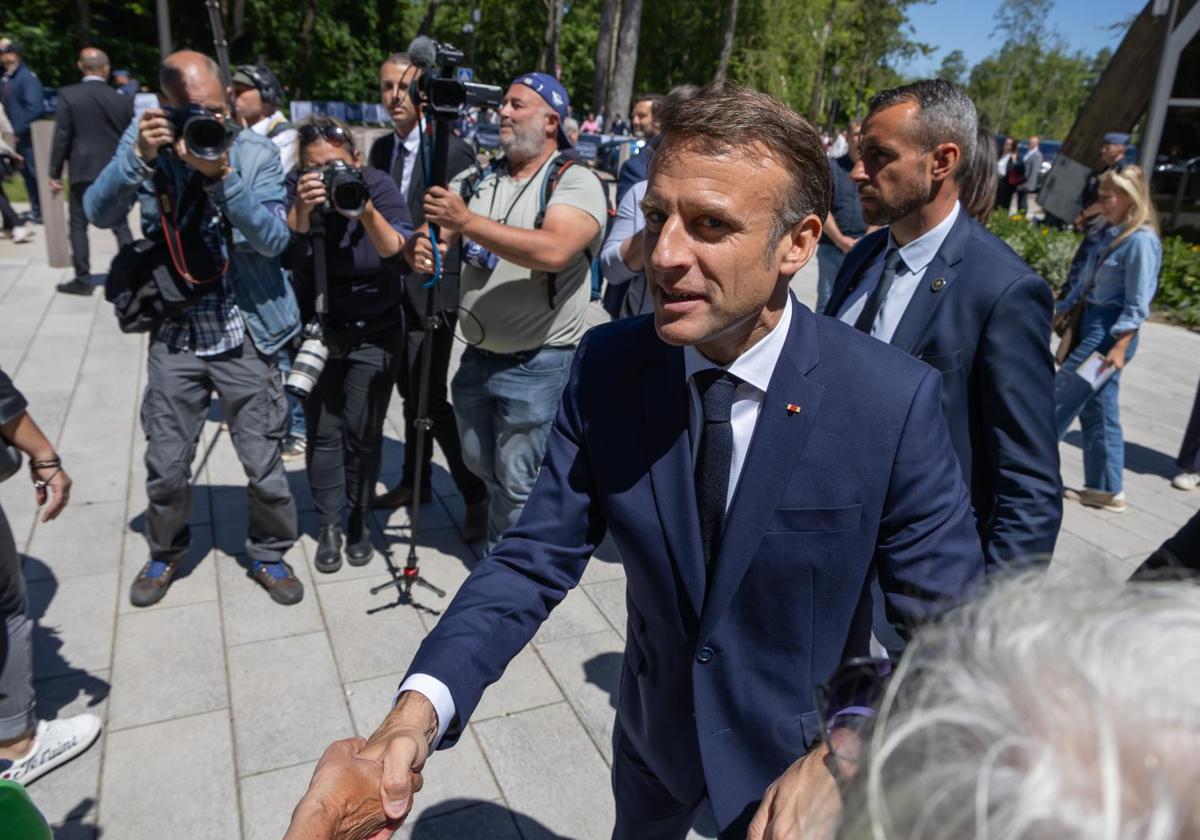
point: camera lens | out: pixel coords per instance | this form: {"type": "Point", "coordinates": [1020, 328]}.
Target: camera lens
{"type": "Point", "coordinates": [348, 193]}
{"type": "Point", "coordinates": [206, 136]}
{"type": "Point", "coordinates": [306, 368]}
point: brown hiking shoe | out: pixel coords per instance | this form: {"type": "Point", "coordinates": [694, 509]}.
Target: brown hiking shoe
{"type": "Point", "coordinates": [152, 582]}
{"type": "Point", "coordinates": [280, 581]}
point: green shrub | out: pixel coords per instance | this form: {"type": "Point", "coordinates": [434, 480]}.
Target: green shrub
{"type": "Point", "coordinates": [1049, 251]}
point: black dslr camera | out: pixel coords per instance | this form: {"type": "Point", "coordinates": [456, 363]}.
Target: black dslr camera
{"type": "Point", "coordinates": [206, 136]}
{"type": "Point", "coordinates": [345, 189]}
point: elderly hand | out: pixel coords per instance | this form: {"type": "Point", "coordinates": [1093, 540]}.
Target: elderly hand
{"type": "Point", "coordinates": [154, 132]}
{"type": "Point", "coordinates": [402, 742]}
{"type": "Point", "coordinates": [802, 804]}
{"type": "Point", "coordinates": [342, 802]}
{"type": "Point", "coordinates": [446, 209]}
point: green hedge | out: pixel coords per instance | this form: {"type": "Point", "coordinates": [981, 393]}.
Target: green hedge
{"type": "Point", "coordinates": [1049, 251]}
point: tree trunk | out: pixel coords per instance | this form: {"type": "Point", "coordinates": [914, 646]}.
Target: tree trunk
{"type": "Point", "coordinates": [818, 91]}
{"type": "Point", "coordinates": [604, 38]}
{"type": "Point", "coordinates": [621, 90]}
{"type": "Point", "coordinates": [304, 83]}
{"type": "Point", "coordinates": [427, 21]}
{"type": "Point", "coordinates": [548, 62]}
{"type": "Point", "coordinates": [239, 20]}
{"type": "Point", "coordinates": [727, 42]}
{"type": "Point", "coordinates": [84, 12]}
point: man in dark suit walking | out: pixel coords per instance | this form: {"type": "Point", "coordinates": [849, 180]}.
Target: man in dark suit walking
{"type": "Point", "coordinates": [939, 286]}
{"type": "Point", "coordinates": [399, 154]}
{"type": "Point", "coordinates": [90, 121]}
{"type": "Point", "coordinates": [756, 465]}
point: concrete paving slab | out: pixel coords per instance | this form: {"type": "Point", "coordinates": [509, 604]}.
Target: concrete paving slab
{"type": "Point", "coordinates": [75, 618]}
{"type": "Point", "coordinates": [609, 598]}
{"type": "Point", "coordinates": [267, 800]}
{"type": "Point", "coordinates": [88, 543]}
{"type": "Point", "coordinates": [249, 615]}
{"type": "Point", "coordinates": [526, 684]}
{"type": "Point", "coordinates": [588, 670]}
{"type": "Point", "coordinates": [352, 625]}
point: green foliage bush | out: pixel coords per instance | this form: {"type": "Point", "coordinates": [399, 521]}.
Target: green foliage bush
{"type": "Point", "coordinates": [1049, 251]}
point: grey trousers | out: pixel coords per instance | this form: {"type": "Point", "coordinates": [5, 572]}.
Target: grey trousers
{"type": "Point", "coordinates": [179, 389]}
{"type": "Point", "coordinates": [16, 642]}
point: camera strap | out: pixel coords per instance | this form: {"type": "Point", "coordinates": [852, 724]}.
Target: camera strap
{"type": "Point", "coordinates": [169, 215]}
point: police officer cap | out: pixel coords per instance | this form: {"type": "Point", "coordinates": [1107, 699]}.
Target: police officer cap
{"type": "Point", "coordinates": [1117, 138]}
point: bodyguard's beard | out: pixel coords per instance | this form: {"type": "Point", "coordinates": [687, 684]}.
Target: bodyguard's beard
{"type": "Point", "coordinates": [908, 198]}
{"type": "Point", "coordinates": [526, 140]}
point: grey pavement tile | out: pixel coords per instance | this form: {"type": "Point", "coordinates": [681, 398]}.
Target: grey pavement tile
{"type": "Point", "coordinates": [609, 597]}
{"type": "Point", "coordinates": [434, 516]}
{"type": "Point", "coordinates": [249, 615]}
{"type": "Point", "coordinates": [575, 615]}
{"type": "Point", "coordinates": [70, 792]}
{"type": "Point", "coordinates": [67, 323]}
{"type": "Point", "coordinates": [171, 779]}
{"type": "Point", "coordinates": [85, 540]}
{"type": "Point", "coordinates": [588, 669]}
{"type": "Point", "coordinates": [1146, 525]}
{"type": "Point", "coordinates": [526, 684]}
{"type": "Point", "coordinates": [98, 475]}
{"type": "Point", "coordinates": [167, 664]}
{"type": "Point", "coordinates": [75, 620]}
{"type": "Point", "coordinates": [370, 636]}
{"type": "Point", "coordinates": [287, 702]}
{"type": "Point", "coordinates": [465, 818]}
{"type": "Point", "coordinates": [1118, 542]}
{"type": "Point", "coordinates": [526, 752]}
{"type": "Point", "coordinates": [48, 406]}
{"type": "Point", "coordinates": [268, 799]}
{"type": "Point", "coordinates": [1174, 506]}
{"type": "Point", "coordinates": [370, 700]}
{"type": "Point", "coordinates": [75, 830]}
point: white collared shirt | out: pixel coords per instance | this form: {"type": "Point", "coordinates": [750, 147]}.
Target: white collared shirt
{"type": "Point", "coordinates": [755, 368]}
{"type": "Point", "coordinates": [285, 141]}
{"type": "Point", "coordinates": [90, 78]}
{"type": "Point", "coordinates": [412, 146]}
{"type": "Point", "coordinates": [915, 258]}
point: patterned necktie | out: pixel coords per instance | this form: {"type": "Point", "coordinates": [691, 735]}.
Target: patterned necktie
{"type": "Point", "coordinates": [398, 164]}
{"type": "Point", "coordinates": [714, 457]}
{"type": "Point", "coordinates": [866, 318]}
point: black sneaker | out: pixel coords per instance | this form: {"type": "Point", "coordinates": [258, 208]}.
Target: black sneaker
{"type": "Point", "coordinates": [78, 286]}
{"type": "Point", "coordinates": [280, 581]}
{"type": "Point", "coordinates": [329, 549]}
{"type": "Point", "coordinates": [152, 582]}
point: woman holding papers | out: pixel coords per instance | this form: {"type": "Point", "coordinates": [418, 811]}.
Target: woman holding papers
{"type": "Point", "coordinates": [1114, 291]}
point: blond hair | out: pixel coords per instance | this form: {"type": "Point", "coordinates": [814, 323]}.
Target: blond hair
{"type": "Point", "coordinates": [1131, 180]}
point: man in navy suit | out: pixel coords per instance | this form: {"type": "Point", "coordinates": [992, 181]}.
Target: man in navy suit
{"type": "Point", "coordinates": [936, 284]}
{"type": "Point", "coordinates": [757, 467]}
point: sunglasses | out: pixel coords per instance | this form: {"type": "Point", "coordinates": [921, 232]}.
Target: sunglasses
{"type": "Point", "coordinates": [329, 132]}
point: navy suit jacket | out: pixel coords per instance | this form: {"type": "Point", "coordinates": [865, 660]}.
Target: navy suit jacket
{"type": "Point", "coordinates": [981, 316]}
{"type": "Point", "coordinates": [717, 686]}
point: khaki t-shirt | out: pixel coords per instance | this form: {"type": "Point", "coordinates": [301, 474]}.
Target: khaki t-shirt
{"type": "Point", "coordinates": [507, 310]}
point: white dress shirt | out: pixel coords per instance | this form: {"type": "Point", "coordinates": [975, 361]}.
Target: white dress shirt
{"type": "Point", "coordinates": [412, 146]}
{"type": "Point", "coordinates": [755, 368]}
{"type": "Point", "coordinates": [915, 258]}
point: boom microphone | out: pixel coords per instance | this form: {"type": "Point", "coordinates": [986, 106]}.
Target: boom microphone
{"type": "Point", "coordinates": [422, 52]}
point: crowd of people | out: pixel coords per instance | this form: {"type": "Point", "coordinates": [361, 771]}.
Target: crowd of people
{"type": "Point", "coordinates": [800, 500]}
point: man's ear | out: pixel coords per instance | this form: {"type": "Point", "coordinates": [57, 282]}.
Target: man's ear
{"type": "Point", "coordinates": [799, 244]}
{"type": "Point", "coordinates": [946, 157]}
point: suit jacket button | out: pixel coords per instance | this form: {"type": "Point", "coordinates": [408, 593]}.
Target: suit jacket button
{"type": "Point", "coordinates": [704, 655]}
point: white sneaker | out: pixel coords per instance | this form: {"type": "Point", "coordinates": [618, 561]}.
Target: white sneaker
{"type": "Point", "coordinates": [55, 743]}
{"type": "Point", "coordinates": [22, 233]}
{"type": "Point", "coordinates": [1186, 481]}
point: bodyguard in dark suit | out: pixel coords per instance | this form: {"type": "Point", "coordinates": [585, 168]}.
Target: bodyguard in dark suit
{"type": "Point", "coordinates": [756, 465]}
{"type": "Point", "coordinates": [90, 121]}
{"type": "Point", "coordinates": [399, 153]}
{"type": "Point", "coordinates": [939, 286]}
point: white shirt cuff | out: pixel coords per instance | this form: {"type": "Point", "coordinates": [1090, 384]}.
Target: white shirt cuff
{"type": "Point", "coordinates": [435, 691]}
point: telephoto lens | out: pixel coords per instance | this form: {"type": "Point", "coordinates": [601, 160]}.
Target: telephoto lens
{"type": "Point", "coordinates": [206, 137]}
{"type": "Point", "coordinates": [307, 366]}
{"type": "Point", "coordinates": [346, 189]}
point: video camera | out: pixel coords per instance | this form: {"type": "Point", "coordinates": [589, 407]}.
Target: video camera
{"type": "Point", "coordinates": [439, 90]}
{"type": "Point", "coordinates": [345, 189]}
{"type": "Point", "coordinates": [206, 136]}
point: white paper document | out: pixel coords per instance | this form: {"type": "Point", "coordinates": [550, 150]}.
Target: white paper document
{"type": "Point", "coordinates": [1092, 371]}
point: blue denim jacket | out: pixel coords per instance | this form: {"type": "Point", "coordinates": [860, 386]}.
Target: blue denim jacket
{"type": "Point", "coordinates": [1125, 277]}
{"type": "Point", "coordinates": [251, 198]}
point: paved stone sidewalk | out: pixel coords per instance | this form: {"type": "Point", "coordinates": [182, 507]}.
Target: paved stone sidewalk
{"type": "Point", "coordinates": [217, 702]}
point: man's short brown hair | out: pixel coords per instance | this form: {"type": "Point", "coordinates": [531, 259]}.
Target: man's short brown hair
{"type": "Point", "coordinates": [730, 117]}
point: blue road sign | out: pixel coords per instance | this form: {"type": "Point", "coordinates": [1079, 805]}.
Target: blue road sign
{"type": "Point", "coordinates": [464, 74]}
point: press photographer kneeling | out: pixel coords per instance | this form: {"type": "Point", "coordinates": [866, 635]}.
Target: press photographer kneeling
{"type": "Point", "coordinates": [349, 227]}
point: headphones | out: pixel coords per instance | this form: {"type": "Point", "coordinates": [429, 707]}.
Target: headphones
{"type": "Point", "coordinates": [269, 87]}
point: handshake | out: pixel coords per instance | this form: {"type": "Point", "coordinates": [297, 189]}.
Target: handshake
{"type": "Point", "coordinates": [363, 788]}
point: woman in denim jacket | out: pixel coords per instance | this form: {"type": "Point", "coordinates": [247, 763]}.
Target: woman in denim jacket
{"type": "Point", "coordinates": [1117, 285]}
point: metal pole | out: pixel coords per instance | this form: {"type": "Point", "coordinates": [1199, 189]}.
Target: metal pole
{"type": "Point", "coordinates": [164, 28]}
{"type": "Point", "coordinates": [1176, 39]}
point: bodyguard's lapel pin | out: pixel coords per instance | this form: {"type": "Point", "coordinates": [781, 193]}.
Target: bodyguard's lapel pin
{"type": "Point", "coordinates": [938, 284]}
{"type": "Point", "coordinates": [792, 408]}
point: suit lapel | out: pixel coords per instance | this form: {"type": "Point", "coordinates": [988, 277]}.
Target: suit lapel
{"type": "Point", "coordinates": [665, 409]}
{"type": "Point", "coordinates": [775, 449]}
{"type": "Point", "coordinates": [853, 274]}
{"type": "Point", "coordinates": [935, 284]}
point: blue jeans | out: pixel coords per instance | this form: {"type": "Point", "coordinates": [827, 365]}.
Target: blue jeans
{"type": "Point", "coordinates": [297, 426]}
{"type": "Point", "coordinates": [829, 263]}
{"type": "Point", "coordinates": [1098, 411]}
{"type": "Point", "coordinates": [505, 405]}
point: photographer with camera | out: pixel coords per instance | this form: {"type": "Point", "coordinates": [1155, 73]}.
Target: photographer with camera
{"type": "Point", "coordinates": [529, 228]}
{"type": "Point", "coordinates": [212, 205]}
{"type": "Point", "coordinates": [350, 226]}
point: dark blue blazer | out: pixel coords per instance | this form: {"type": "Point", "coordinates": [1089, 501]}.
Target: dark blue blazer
{"type": "Point", "coordinates": [981, 316]}
{"type": "Point", "coordinates": [717, 685]}
{"type": "Point", "coordinates": [635, 169]}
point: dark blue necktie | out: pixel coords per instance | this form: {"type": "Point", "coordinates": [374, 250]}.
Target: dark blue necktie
{"type": "Point", "coordinates": [866, 318]}
{"type": "Point", "coordinates": [714, 456]}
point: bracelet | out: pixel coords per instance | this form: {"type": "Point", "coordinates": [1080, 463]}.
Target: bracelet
{"type": "Point", "coordinates": [56, 461]}
{"type": "Point", "coordinates": [40, 484]}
